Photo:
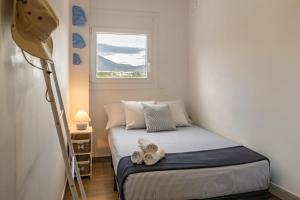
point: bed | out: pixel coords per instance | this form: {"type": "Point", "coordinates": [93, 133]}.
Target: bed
{"type": "Point", "coordinates": [249, 180]}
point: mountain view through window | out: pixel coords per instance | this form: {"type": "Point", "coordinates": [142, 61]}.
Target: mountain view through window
{"type": "Point", "coordinates": [121, 56]}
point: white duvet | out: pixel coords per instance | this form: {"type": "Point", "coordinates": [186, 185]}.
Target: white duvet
{"type": "Point", "coordinates": [185, 139]}
{"type": "Point", "coordinates": [185, 184]}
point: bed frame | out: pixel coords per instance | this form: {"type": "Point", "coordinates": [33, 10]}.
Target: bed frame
{"type": "Point", "coordinates": [257, 195]}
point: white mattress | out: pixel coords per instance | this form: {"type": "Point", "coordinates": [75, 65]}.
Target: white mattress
{"type": "Point", "coordinates": [185, 184]}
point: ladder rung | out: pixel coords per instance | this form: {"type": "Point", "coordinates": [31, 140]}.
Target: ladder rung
{"type": "Point", "coordinates": [61, 114]}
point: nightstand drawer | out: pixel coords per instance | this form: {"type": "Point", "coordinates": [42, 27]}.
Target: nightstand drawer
{"type": "Point", "coordinates": [81, 146]}
{"type": "Point", "coordinates": [84, 167]}
{"type": "Point", "coordinates": [83, 164]}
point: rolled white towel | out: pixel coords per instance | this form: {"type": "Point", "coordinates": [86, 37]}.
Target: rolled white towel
{"type": "Point", "coordinates": [147, 146]}
{"type": "Point", "coordinates": [153, 158]}
{"type": "Point", "coordinates": [137, 157]}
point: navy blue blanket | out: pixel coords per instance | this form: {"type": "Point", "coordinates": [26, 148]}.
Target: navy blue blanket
{"type": "Point", "coordinates": [189, 160]}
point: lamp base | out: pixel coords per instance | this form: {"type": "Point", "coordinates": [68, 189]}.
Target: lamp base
{"type": "Point", "coordinates": [82, 126]}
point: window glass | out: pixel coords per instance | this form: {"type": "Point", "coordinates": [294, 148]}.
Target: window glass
{"type": "Point", "coordinates": [121, 55]}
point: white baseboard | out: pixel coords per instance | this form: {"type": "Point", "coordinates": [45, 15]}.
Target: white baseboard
{"type": "Point", "coordinates": [64, 189]}
{"type": "Point", "coordinates": [282, 193]}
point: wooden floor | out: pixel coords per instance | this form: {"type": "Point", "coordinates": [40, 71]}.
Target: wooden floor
{"type": "Point", "coordinates": [100, 186]}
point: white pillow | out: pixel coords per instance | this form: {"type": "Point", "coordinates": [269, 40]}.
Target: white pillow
{"type": "Point", "coordinates": [116, 115]}
{"type": "Point", "coordinates": [178, 112]}
{"type": "Point", "coordinates": [134, 114]}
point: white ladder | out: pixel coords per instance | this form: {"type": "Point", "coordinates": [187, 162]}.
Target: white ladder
{"type": "Point", "coordinates": [49, 75]}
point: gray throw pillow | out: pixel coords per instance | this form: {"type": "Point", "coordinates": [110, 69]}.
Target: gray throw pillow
{"type": "Point", "coordinates": [158, 118]}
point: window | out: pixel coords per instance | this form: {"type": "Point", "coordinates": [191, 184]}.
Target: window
{"type": "Point", "coordinates": [123, 58]}
{"type": "Point", "coordinates": [121, 55]}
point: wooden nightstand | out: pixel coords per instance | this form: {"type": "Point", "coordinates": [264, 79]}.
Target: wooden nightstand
{"type": "Point", "coordinates": [82, 144]}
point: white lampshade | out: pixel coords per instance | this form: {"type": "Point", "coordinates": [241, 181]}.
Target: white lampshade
{"type": "Point", "coordinates": [82, 116]}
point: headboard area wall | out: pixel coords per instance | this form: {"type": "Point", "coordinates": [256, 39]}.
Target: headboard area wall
{"type": "Point", "coordinates": [169, 28]}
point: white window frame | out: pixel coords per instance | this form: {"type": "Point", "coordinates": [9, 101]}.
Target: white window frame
{"type": "Point", "coordinates": [121, 81]}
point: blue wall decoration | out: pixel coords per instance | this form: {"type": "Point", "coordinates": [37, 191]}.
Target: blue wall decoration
{"type": "Point", "coordinates": [78, 16]}
{"type": "Point", "coordinates": [76, 59]}
{"type": "Point", "coordinates": [78, 41]}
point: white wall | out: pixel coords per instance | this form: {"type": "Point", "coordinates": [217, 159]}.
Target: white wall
{"type": "Point", "coordinates": [244, 77]}
{"type": "Point", "coordinates": [31, 163]}
{"type": "Point", "coordinates": [79, 74]}
{"type": "Point", "coordinates": [171, 59]}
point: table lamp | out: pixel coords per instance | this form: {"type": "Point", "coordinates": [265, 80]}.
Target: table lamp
{"type": "Point", "coordinates": [82, 120]}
